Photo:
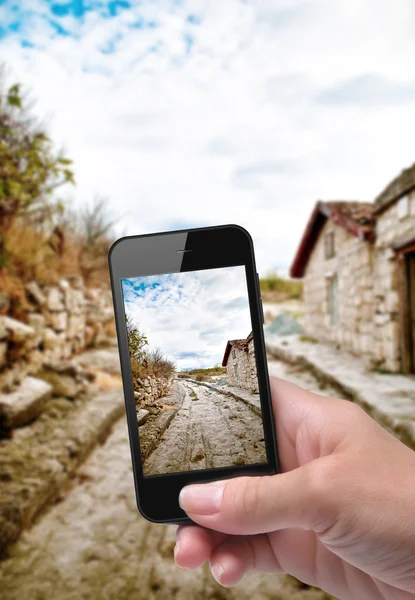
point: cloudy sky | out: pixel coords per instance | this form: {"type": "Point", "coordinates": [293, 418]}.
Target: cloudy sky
{"type": "Point", "coordinates": [198, 112]}
{"type": "Point", "coordinates": [190, 316]}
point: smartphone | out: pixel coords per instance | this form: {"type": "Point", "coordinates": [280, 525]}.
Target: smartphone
{"type": "Point", "coordinates": [189, 322]}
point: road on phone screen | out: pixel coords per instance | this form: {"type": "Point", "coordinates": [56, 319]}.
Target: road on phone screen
{"type": "Point", "coordinates": [209, 430]}
{"type": "Point", "coordinates": [94, 545]}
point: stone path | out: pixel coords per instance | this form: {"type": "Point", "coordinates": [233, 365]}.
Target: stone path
{"type": "Point", "coordinates": [389, 398]}
{"type": "Point", "coordinates": [94, 544]}
{"type": "Point", "coordinates": [209, 430]}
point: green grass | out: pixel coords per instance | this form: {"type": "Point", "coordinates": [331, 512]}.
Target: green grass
{"type": "Point", "coordinates": [273, 286]}
{"type": "Point", "coordinates": [308, 338]}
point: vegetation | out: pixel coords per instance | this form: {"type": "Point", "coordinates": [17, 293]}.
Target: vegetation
{"type": "Point", "coordinates": [203, 374]}
{"type": "Point", "coordinates": [146, 363]}
{"type": "Point", "coordinates": [41, 237]}
{"type": "Point", "coordinates": [308, 338]}
{"type": "Point", "coordinates": [275, 288]}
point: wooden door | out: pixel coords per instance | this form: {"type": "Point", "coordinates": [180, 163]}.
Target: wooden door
{"type": "Point", "coordinates": [410, 271]}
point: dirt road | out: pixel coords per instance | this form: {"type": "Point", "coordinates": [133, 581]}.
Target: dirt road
{"type": "Point", "coordinates": [209, 430]}
{"type": "Point", "coordinates": [94, 545]}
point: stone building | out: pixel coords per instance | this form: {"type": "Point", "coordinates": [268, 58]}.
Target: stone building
{"type": "Point", "coordinates": [357, 260]}
{"type": "Point", "coordinates": [239, 360]}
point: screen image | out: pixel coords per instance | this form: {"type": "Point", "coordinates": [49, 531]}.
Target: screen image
{"type": "Point", "coordinates": [193, 368]}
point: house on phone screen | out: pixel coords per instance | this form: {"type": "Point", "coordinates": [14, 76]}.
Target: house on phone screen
{"type": "Point", "coordinates": [357, 260]}
{"type": "Point", "coordinates": [239, 360]}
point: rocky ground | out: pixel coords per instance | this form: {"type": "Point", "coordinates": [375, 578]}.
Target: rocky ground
{"type": "Point", "coordinates": [208, 430]}
{"type": "Point", "coordinates": [94, 544]}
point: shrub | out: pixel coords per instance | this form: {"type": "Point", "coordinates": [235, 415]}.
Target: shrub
{"type": "Point", "coordinates": [136, 341]}
{"type": "Point", "coordinates": [158, 365]}
{"type": "Point", "coordinates": [30, 172]}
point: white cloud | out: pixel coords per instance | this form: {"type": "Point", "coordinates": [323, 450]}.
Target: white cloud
{"type": "Point", "coordinates": [190, 316]}
{"type": "Point", "coordinates": [177, 139]}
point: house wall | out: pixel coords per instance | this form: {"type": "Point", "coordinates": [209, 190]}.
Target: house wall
{"type": "Point", "coordinates": [391, 226]}
{"type": "Point", "coordinates": [353, 264]}
{"type": "Point", "coordinates": [247, 376]}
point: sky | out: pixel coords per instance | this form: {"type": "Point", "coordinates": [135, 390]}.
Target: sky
{"type": "Point", "coordinates": [190, 316]}
{"type": "Point", "coordinates": [191, 113]}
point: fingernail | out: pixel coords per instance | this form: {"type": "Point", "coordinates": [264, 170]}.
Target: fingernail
{"type": "Point", "coordinates": [204, 499]}
{"type": "Point", "coordinates": [217, 572]}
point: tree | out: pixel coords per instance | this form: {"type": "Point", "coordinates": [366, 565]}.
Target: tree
{"type": "Point", "coordinates": [30, 169]}
{"type": "Point", "coordinates": [90, 228]}
{"type": "Point", "coordinates": [136, 341]}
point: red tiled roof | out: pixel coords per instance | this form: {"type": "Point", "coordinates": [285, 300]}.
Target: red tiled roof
{"type": "Point", "coordinates": [356, 217]}
{"type": "Point", "coordinates": [239, 344]}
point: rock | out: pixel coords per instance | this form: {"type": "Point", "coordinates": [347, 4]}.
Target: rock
{"type": "Point", "coordinates": [283, 325]}
{"type": "Point", "coordinates": [3, 354]}
{"type": "Point", "coordinates": [136, 395]}
{"type": "Point", "coordinates": [142, 416]}
{"type": "Point", "coordinates": [58, 320]}
{"type": "Point", "coordinates": [76, 327]}
{"type": "Point", "coordinates": [25, 404]}
{"type": "Point", "coordinates": [76, 282]}
{"type": "Point", "coordinates": [37, 322]}
{"type": "Point", "coordinates": [3, 331]}
{"type": "Point", "coordinates": [50, 338]}
{"type": "Point", "coordinates": [17, 332]}
{"type": "Point", "coordinates": [62, 385]}
{"type": "Point", "coordinates": [35, 293]}
{"type": "Point", "coordinates": [55, 299]}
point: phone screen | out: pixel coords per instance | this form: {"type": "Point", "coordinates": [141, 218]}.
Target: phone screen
{"type": "Point", "coordinates": [193, 368]}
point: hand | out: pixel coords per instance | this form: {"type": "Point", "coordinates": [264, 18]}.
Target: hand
{"type": "Point", "coordinates": [341, 516]}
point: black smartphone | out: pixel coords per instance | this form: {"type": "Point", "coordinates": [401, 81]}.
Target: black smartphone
{"type": "Point", "coordinates": [189, 323]}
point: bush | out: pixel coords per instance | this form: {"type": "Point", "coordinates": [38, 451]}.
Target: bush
{"type": "Point", "coordinates": [30, 172]}
{"type": "Point", "coordinates": [158, 365]}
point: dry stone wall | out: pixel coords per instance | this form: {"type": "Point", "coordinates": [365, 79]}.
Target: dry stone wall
{"type": "Point", "coordinates": [353, 266]}
{"type": "Point", "coordinates": [149, 389]}
{"type": "Point", "coordinates": [61, 321]}
{"type": "Point", "coordinates": [241, 368]}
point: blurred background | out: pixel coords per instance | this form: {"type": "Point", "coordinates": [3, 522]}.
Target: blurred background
{"type": "Point", "coordinates": [292, 118]}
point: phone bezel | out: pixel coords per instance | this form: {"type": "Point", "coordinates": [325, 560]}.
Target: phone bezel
{"type": "Point", "coordinates": [154, 254]}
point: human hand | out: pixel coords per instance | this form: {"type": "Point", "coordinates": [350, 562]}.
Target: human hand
{"type": "Point", "coordinates": [341, 516]}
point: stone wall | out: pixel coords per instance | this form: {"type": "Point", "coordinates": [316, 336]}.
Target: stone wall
{"type": "Point", "coordinates": [353, 265]}
{"type": "Point", "coordinates": [241, 368]}
{"type": "Point", "coordinates": [149, 389]}
{"type": "Point", "coordinates": [148, 392]}
{"type": "Point", "coordinates": [391, 227]}
{"type": "Point", "coordinates": [60, 321]}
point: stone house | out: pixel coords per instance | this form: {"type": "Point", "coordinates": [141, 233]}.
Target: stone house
{"type": "Point", "coordinates": [357, 260]}
{"type": "Point", "coordinates": [239, 360]}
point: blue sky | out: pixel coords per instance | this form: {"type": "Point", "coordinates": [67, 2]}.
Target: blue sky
{"type": "Point", "coordinates": [190, 316]}
{"type": "Point", "coordinates": [190, 112]}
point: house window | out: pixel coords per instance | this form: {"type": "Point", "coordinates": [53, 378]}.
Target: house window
{"type": "Point", "coordinates": [333, 300]}
{"type": "Point", "coordinates": [236, 372]}
{"type": "Point", "coordinates": [330, 250]}
{"type": "Point", "coordinates": [233, 353]}
{"type": "Point", "coordinates": [403, 207]}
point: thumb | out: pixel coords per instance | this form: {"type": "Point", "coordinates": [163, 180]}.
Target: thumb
{"type": "Point", "coordinates": [251, 505]}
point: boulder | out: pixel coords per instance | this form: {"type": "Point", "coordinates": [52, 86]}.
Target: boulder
{"type": "Point", "coordinates": [54, 299]}
{"type": "Point", "coordinates": [37, 322]}
{"type": "Point", "coordinates": [16, 331]}
{"type": "Point", "coordinates": [24, 404]}
{"type": "Point", "coordinates": [142, 416]}
{"type": "Point", "coordinates": [3, 354]}
{"type": "Point", "coordinates": [35, 293]}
